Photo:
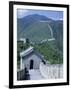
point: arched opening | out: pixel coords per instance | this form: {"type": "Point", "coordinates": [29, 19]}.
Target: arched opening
{"type": "Point", "coordinates": [31, 64]}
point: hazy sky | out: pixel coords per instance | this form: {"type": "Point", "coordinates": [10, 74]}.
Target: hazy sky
{"type": "Point", "coordinates": [56, 15]}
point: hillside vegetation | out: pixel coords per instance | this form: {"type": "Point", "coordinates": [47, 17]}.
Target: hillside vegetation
{"type": "Point", "coordinates": [33, 28]}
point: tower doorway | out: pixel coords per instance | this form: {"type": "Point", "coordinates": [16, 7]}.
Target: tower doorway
{"type": "Point", "coordinates": [31, 64]}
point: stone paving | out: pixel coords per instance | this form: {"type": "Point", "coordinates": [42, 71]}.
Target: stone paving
{"type": "Point", "coordinates": [35, 74]}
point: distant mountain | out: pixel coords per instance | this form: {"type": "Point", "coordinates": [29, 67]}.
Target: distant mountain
{"type": "Point", "coordinates": [23, 23]}
{"type": "Point", "coordinates": [38, 27]}
{"type": "Point", "coordinates": [57, 27]}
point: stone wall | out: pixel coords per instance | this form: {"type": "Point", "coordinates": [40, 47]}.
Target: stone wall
{"type": "Point", "coordinates": [51, 70]}
{"type": "Point", "coordinates": [21, 74]}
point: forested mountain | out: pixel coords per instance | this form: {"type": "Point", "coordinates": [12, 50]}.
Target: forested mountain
{"type": "Point", "coordinates": [37, 28]}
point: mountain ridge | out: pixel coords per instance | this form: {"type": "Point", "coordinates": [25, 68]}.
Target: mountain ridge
{"type": "Point", "coordinates": [31, 25]}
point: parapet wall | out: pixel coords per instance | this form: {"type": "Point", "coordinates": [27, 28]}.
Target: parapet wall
{"type": "Point", "coordinates": [21, 74]}
{"type": "Point", "coordinates": [51, 70]}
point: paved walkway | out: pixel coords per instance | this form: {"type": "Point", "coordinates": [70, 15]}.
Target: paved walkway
{"type": "Point", "coordinates": [35, 74]}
